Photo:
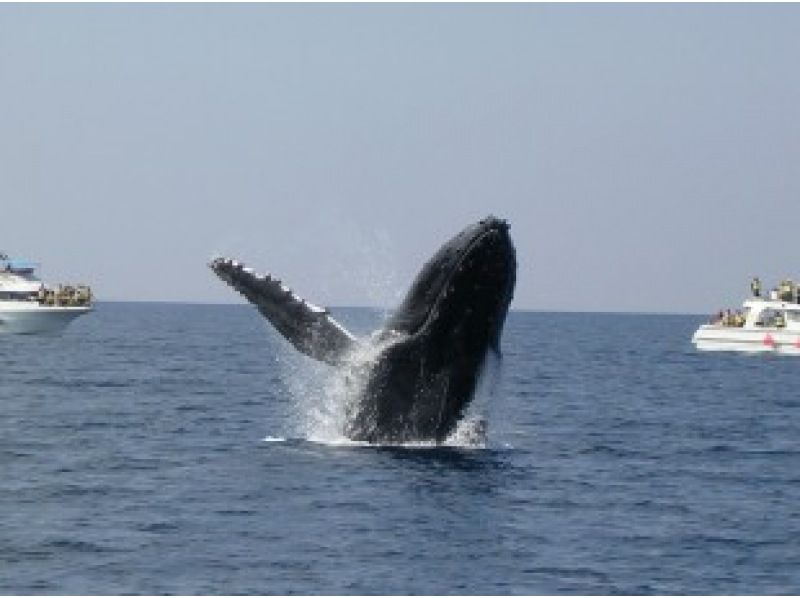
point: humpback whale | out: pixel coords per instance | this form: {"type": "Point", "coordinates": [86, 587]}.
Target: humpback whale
{"type": "Point", "coordinates": [430, 351]}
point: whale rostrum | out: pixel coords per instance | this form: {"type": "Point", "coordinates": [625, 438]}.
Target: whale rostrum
{"type": "Point", "coordinates": [431, 349]}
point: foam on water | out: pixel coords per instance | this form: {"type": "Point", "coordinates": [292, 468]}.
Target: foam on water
{"type": "Point", "coordinates": [453, 441]}
{"type": "Point", "coordinates": [471, 432]}
{"type": "Point", "coordinates": [324, 399]}
{"type": "Point", "coordinates": [328, 418]}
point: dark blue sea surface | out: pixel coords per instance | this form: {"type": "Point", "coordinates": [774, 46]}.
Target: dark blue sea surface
{"type": "Point", "coordinates": [158, 448]}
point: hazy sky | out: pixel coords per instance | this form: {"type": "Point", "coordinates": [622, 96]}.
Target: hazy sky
{"type": "Point", "coordinates": [646, 156]}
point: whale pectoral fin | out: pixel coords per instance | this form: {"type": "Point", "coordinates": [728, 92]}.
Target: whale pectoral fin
{"type": "Point", "coordinates": [308, 327]}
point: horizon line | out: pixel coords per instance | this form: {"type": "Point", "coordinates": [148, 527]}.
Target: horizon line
{"type": "Point", "coordinates": [378, 308]}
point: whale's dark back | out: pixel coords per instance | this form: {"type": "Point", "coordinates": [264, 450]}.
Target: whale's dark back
{"type": "Point", "coordinates": [451, 317]}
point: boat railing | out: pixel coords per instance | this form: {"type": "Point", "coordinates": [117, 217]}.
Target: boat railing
{"type": "Point", "coordinates": [729, 319]}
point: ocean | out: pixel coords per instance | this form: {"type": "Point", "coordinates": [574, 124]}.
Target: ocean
{"type": "Point", "coordinates": [165, 448]}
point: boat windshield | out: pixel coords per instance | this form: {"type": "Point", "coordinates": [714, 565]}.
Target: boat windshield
{"type": "Point", "coordinates": [771, 318]}
{"type": "Point", "coordinates": [17, 266]}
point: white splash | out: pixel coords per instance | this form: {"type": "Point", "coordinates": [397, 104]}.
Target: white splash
{"type": "Point", "coordinates": [471, 432]}
{"type": "Point", "coordinates": [325, 398]}
{"type": "Point", "coordinates": [328, 417]}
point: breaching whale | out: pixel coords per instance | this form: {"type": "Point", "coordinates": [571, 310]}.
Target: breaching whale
{"type": "Point", "coordinates": [431, 349]}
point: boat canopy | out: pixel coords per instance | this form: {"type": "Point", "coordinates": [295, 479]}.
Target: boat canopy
{"type": "Point", "coordinates": [17, 266]}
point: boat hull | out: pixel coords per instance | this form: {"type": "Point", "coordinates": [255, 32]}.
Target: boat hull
{"type": "Point", "coordinates": [37, 319]}
{"type": "Point", "coordinates": [712, 337]}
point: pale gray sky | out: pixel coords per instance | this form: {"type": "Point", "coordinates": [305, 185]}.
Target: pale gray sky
{"type": "Point", "coordinates": [647, 156]}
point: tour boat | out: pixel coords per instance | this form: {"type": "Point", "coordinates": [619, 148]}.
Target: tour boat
{"type": "Point", "coordinates": [766, 325]}
{"type": "Point", "coordinates": [28, 306]}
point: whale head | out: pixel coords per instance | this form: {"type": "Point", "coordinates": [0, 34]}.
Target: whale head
{"type": "Point", "coordinates": [463, 292]}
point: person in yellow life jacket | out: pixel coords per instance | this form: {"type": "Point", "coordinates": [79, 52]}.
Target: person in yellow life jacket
{"type": "Point", "coordinates": [755, 286]}
{"type": "Point", "coordinates": [785, 293]}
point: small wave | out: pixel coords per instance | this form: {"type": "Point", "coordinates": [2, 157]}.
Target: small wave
{"type": "Point", "coordinates": [78, 546]}
{"type": "Point", "coordinates": [158, 527]}
{"type": "Point", "coordinates": [470, 434]}
{"type": "Point", "coordinates": [408, 445]}
{"type": "Point", "coordinates": [454, 441]}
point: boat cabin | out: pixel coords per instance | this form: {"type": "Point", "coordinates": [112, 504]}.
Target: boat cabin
{"type": "Point", "coordinates": [16, 266]}
{"type": "Point", "coordinates": [761, 313]}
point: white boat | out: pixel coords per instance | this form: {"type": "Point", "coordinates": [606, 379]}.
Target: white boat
{"type": "Point", "coordinates": [28, 306]}
{"type": "Point", "coordinates": [765, 325]}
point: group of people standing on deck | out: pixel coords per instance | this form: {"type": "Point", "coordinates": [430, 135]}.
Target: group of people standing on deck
{"type": "Point", "coordinates": [729, 318]}
{"type": "Point", "coordinates": [787, 290]}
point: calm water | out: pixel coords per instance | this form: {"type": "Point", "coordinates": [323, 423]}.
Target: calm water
{"type": "Point", "coordinates": [185, 449]}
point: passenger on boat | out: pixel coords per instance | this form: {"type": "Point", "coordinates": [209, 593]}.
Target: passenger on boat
{"type": "Point", "coordinates": [755, 286]}
{"type": "Point", "coordinates": [786, 291]}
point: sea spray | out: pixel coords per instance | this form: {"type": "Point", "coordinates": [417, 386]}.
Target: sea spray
{"type": "Point", "coordinates": [326, 399]}
{"type": "Point", "coordinates": [472, 430]}
{"type": "Point", "coordinates": [343, 392]}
